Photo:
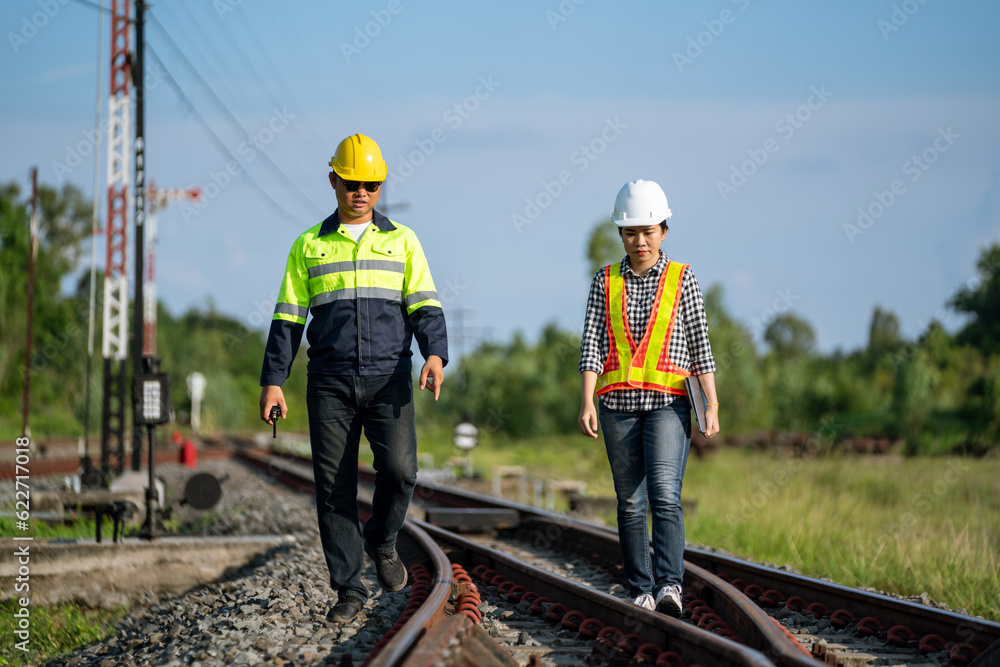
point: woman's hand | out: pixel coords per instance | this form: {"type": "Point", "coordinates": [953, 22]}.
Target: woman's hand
{"type": "Point", "coordinates": [588, 419]}
{"type": "Point", "coordinates": [711, 420]}
{"type": "Point", "coordinates": [588, 413]}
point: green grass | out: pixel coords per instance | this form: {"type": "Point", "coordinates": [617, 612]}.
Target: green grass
{"type": "Point", "coordinates": [81, 528]}
{"type": "Point", "coordinates": [905, 526]}
{"type": "Point", "coordinates": [54, 631]}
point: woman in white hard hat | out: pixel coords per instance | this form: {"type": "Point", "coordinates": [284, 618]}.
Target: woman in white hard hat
{"type": "Point", "coordinates": [644, 335]}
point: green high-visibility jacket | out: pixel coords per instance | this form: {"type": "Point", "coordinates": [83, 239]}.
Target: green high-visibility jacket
{"type": "Point", "coordinates": [368, 300]}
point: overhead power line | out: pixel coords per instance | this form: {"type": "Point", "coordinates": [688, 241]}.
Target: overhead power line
{"type": "Point", "coordinates": [93, 5]}
{"type": "Point", "coordinates": [214, 60]}
{"type": "Point", "coordinates": [310, 145]}
{"type": "Point", "coordinates": [233, 121]}
{"type": "Point", "coordinates": [222, 46]}
{"type": "Point", "coordinates": [219, 144]}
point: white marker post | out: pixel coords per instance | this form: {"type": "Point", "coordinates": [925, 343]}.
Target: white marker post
{"type": "Point", "coordinates": [196, 387]}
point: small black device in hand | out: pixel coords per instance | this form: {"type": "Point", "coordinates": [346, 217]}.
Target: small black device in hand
{"type": "Point", "coordinates": [275, 413]}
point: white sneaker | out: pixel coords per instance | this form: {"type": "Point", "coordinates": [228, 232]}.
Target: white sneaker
{"type": "Point", "coordinates": [645, 601]}
{"type": "Point", "coordinates": [668, 601]}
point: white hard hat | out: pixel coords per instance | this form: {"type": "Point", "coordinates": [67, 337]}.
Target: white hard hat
{"type": "Point", "coordinates": [640, 204]}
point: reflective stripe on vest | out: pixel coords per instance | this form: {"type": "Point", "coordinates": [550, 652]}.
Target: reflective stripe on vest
{"type": "Point", "coordinates": [647, 365]}
{"type": "Point", "coordinates": [385, 265]}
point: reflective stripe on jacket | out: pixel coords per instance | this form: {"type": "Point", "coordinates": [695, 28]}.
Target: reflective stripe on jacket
{"type": "Point", "coordinates": [368, 299]}
{"type": "Point", "coordinates": [646, 365]}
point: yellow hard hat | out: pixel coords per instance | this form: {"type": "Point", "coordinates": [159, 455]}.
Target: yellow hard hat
{"type": "Point", "coordinates": [358, 158]}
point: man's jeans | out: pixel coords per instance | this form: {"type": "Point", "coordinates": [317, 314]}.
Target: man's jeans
{"type": "Point", "coordinates": [648, 453]}
{"type": "Point", "coordinates": [340, 407]}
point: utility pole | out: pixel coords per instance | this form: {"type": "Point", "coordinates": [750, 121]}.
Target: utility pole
{"type": "Point", "coordinates": [145, 389]}
{"type": "Point", "coordinates": [158, 200]}
{"type": "Point", "coordinates": [115, 327]}
{"type": "Point", "coordinates": [140, 364]}
{"type": "Point", "coordinates": [32, 251]}
{"type": "Point", "coordinates": [90, 477]}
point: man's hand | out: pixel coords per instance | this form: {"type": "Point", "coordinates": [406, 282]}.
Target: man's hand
{"type": "Point", "coordinates": [270, 396]}
{"type": "Point", "coordinates": [432, 374]}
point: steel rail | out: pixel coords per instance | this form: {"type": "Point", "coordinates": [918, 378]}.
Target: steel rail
{"type": "Point", "coordinates": [750, 623]}
{"type": "Point", "coordinates": [669, 633]}
{"type": "Point", "coordinates": [431, 612]}
{"type": "Point", "coordinates": [924, 620]}
{"type": "Point", "coordinates": [691, 642]}
{"type": "Point", "coordinates": [953, 628]}
{"type": "Point", "coordinates": [45, 466]}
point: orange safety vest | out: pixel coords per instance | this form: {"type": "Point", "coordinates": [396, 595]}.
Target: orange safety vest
{"type": "Point", "coordinates": [631, 366]}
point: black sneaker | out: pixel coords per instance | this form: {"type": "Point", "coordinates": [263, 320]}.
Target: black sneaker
{"type": "Point", "coordinates": [345, 610]}
{"type": "Point", "coordinates": [390, 570]}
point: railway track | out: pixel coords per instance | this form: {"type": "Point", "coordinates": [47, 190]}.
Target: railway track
{"type": "Point", "coordinates": [498, 583]}
{"type": "Point", "coordinates": [735, 612]}
{"type": "Point", "coordinates": [578, 624]}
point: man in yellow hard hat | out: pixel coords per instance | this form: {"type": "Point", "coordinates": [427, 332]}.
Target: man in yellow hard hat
{"type": "Point", "coordinates": [365, 280]}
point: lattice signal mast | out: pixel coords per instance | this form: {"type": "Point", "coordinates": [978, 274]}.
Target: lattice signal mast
{"type": "Point", "coordinates": [158, 199]}
{"type": "Point", "coordinates": [115, 331]}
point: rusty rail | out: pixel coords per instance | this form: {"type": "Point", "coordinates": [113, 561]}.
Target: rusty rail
{"type": "Point", "coordinates": [736, 591]}
{"type": "Point", "coordinates": [671, 634]}
{"type": "Point", "coordinates": [747, 621]}
{"type": "Point", "coordinates": [965, 635]}
{"type": "Point", "coordinates": [429, 634]}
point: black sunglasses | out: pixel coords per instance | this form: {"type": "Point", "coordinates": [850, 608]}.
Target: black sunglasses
{"type": "Point", "coordinates": [353, 186]}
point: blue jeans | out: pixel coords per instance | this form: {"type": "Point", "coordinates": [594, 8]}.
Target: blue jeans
{"type": "Point", "coordinates": [340, 408]}
{"type": "Point", "coordinates": [648, 453]}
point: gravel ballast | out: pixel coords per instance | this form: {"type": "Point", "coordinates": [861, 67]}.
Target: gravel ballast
{"type": "Point", "coordinates": [272, 610]}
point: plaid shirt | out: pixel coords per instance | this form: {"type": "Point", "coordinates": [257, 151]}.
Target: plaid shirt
{"type": "Point", "coordinates": [689, 346]}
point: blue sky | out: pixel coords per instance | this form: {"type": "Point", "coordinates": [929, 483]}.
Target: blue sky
{"type": "Point", "coordinates": [819, 157]}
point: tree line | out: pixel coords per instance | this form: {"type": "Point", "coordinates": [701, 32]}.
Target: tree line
{"type": "Point", "coordinates": [939, 392]}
